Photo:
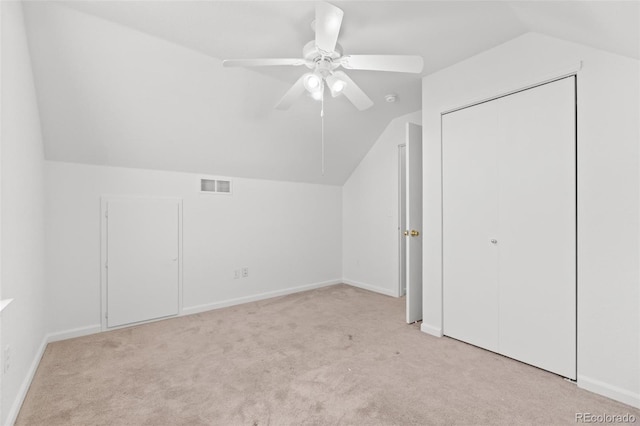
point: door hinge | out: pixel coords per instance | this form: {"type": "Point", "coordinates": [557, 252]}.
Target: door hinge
{"type": "Point", "coordinates": [106, 315]}
{"type": "Point", "coordinates": [106, 213]}
{"type": "Point", "coordinates": [106, 265]}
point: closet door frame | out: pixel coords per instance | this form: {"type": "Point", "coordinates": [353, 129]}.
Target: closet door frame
{"type": "Point", "coordinates": [572, 74]}
{"type": "Point", "coordinates": [104, 202]}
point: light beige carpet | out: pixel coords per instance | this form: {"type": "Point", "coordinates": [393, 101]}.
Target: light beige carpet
{"type": "Point", "coordinates": [333, 356]}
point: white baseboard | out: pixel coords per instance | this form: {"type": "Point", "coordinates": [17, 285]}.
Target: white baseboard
{"type": "Point", "coordinates": [610, 391]}
{"type": "Point", "coordinates": [74, 332]}
{"type": "Point", "coordinates": [254, 298]}
{"type": "Point", "coordinates": [429, 329]}
{"type": "Point", "coordinates": [370, 287]}
{"type": "Point", "coordinates": [22, 392]}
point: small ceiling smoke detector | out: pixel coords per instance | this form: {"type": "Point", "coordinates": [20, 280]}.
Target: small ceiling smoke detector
{"type": "Point", "coordinates": [391, 98]}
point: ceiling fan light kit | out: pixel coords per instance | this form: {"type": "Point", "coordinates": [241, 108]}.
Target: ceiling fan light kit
{"type": "Point", "coordinates": [317, 94]}
{"type": "Point", "coordinates": [312, 82]}
{"type": "Point", "coordinates": [336, 86]}
{"type": "Point", "coordinates": [324, 56]}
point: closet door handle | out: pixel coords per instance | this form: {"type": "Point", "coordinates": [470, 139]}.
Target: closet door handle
{"type": "Point", "coordinates": [493, 241]}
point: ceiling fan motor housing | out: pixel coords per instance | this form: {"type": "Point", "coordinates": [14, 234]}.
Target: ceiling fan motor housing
{"type": "Point", "coordinates": [324, 67]}
{"type": "Point", "coordinates": [317, 59]}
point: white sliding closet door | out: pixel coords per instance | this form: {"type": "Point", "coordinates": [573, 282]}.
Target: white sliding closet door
{"type": "Point", "coordinates": [510, 226]}
{"type": "Point", "coordinates": [470, 221]}
{"type": "Point", "coordinates": [537, 227]}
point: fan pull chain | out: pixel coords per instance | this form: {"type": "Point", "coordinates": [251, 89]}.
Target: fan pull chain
{"type": "Point", "coordinates": [322, 126]}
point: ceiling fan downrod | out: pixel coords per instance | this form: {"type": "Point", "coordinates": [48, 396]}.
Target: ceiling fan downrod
{"type": "Point", "coordinates": [322, 126]}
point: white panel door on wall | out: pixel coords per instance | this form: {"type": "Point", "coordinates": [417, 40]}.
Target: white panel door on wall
{"type": "Point", "coordinates": [142, 257]}
{"type": "Point", "coordinates": [509, 226]}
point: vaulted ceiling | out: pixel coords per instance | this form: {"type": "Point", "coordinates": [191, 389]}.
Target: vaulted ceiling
{"type": "Point", "coordinates": [140, 83]}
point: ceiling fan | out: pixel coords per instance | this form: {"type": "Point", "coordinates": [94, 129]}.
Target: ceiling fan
{"type": "Point", "coordinates": [324, 56]}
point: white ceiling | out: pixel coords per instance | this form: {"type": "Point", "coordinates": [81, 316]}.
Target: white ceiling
{"type": "Point", "coordinates": [140, 83]}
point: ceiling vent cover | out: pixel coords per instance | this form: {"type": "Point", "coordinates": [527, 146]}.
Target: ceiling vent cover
{"type": "Point", "coordinates": [215, 186]}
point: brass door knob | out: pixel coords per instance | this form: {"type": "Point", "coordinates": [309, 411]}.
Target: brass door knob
{"type": "Point", "coordinates": [406, 233]}
{"type": "Point", "coordinates": [414, 233]}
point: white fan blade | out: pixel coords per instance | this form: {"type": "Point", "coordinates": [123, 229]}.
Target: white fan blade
{"type": "Point", "coordinates": [292, 94]}
{"type": "Point", "coordinates": [328, 22]}
{"type": "Point", "coordinates": [353, 92]}
{"type": "Point", "coordinates": [269, 62]}
{"type": "Point", "coordinates": [394, 63]}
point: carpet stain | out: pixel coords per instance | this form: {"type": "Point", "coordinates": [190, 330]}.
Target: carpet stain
{"type": "Point", "coordinates": [111, 344]}
{"type": "Point", "coordinates": [369, 410]}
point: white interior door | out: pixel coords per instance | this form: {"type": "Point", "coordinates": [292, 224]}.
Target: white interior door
{"type": "Point", "coordinates": [509, 226]}
{"type": "Point", "coordinates": [402, 219]}
{"type": "Point", "coordinates": [142, 260]}
{"type": "Point", "coordinates": [470, 223]}
{"type": "Point", "coordinates": [413, 240]}
{"type": "Point", "coordinates": [537, 234]}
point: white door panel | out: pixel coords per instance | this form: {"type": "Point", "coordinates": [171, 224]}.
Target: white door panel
{"type": "Point", "coordinates": [143, 260]}
{"type": "Point", "coordinates": [537, 234]}
{"type": "Point", "coordinates": [402, 219]}
{"type": "Point", "coordinates": [470, 216]}
{"type": "Point", "coordinates": [413, 166]}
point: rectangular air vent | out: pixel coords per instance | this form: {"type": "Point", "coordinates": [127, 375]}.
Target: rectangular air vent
{"type": "Point", "coordinates": [207, 185]}
{"type": "Point", "coordinates": [223, 186]}
{"type": "Point", "coordinates": [215, 186]}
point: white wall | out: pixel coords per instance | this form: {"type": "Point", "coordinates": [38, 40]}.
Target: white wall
{"type": "Point", "coordinates": [608, 193]}
{"type": "Point", "coordinates": [22, 258]}
{"type": "Point", "coordinates": [370, 214]}
{"type": "Point", "coordinates": [288, 234]}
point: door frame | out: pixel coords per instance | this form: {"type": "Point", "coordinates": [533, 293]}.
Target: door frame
{"type": "Point", "coordinates": [104, 201]}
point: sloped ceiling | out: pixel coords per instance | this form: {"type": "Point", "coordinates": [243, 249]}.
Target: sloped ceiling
{"type": "Point", "coordinates": [140, 83]}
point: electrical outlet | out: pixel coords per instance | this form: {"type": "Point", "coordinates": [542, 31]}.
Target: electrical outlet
{"type": "Point", "coordinates": [236, 274]}
{"type": "Point", "coordinates": [6, 359]}
{"type": "Point", "coordinates": [245, 272]}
